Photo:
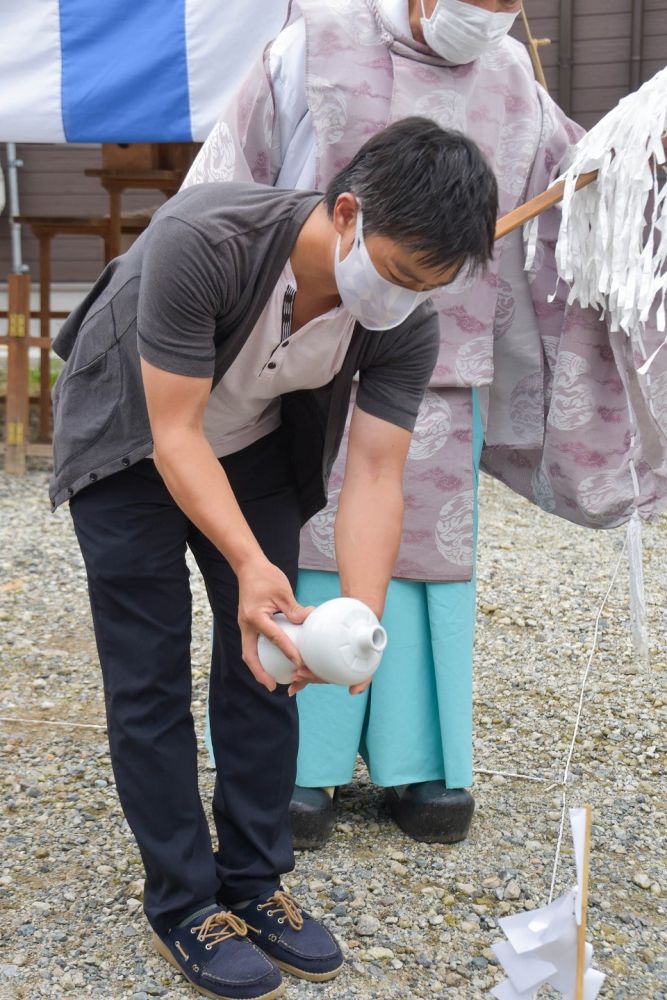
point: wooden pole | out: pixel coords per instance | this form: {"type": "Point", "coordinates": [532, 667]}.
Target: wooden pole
{"type": "Point", "coordinates": [16, 423]}
{"type": "Point", "coordinates": [115, 234]}
{"type": "Point", "coordinates": [534, 46]}
{"type": "Point", "coordinates": [540, 203]}
{"type": "Point", "coordinates": [581, 932]}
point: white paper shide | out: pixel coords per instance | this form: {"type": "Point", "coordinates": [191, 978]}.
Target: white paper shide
{"type": "Point", "coordinates": [541, 945]}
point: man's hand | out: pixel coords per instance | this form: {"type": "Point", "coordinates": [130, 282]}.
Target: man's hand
{"type": "Point", "coordinates": [264, 590]}
{"type": "Point", "coordinates": [303, 676]}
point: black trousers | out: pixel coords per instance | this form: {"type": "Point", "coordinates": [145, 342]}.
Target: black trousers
{"type": "Point", "coordinates": [133, 538]}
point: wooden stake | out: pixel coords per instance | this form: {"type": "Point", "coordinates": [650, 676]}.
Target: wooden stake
{"type": "Point", "coordinates": [581, 933]}
{"type": "Point", "coordinates": [534, 46]}
{"type": "Point", "coordinates": [16, 421]}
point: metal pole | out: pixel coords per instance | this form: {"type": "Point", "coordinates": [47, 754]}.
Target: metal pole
{"type": "Point", "coordinates": [18, 267]}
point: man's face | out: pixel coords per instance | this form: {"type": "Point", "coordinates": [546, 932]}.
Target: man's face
{"type": "Point", "coordinates": [392, 260]}
{"type": "Point", "coordinates": [405, 267]}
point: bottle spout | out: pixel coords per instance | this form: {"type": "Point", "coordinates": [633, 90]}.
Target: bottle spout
{"type": "Point", "coordinates": [379, 638]}
{"type": "Point", "coordinates": [368, 639]}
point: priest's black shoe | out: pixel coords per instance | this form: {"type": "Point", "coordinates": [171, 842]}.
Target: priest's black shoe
{"type": "Point", "coordinates": [430, 812]}
{"type": "Point", "coordinates": [312, 813]}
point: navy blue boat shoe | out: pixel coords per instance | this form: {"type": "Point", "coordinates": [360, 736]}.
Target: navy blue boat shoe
{"type": "Point", "coordinates": [291, 937]}
{"type": "Point", "coordinates": [212, 950]}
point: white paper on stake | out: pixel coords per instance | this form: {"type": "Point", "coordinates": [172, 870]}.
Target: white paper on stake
{"type": "Point", "coordinates": [505, 991]}
{"type": "Point", "coordinates": [527, 931]}
{"type": "Point", "coordinates": [593, 981]}
{"type": "Point", "coordinates": [565, 978]}
{"type": "Point", "coordinates": [541, 945]}
{"type": "Point", "coordinates": [578, 824]}
{"type": "Point", "coordinates": [527, 972]}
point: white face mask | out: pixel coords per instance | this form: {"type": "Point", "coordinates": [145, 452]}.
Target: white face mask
{"type": "Point", "coordinates": [378, 304]}
{"type": "Point", "coordinates": [461, 32]}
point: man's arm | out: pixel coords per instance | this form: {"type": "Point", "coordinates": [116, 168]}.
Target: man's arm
{"type": "Point", "coordinates": [370, 508]}
{"type": "Point", "coordinates": [370, 516]}
{"type": "Point", "coordinates": [200, 487]}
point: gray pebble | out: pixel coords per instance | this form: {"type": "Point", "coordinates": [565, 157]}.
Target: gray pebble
{"type": "Point", "coordinates": [152, 988]}
{"type": "Point", "coordinates": [527, 685]}
{"type": "Point", "coordinates": [367, 926]}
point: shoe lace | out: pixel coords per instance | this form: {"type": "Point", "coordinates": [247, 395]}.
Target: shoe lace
{"type": "Point", "coordinates": [282, 902]}
{"type": "Point", "coordinates": [220, 927]}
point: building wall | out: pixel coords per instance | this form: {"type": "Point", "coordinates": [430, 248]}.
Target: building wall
{"type": "Point", "coordinates": [52, 180]}
{"type": "Point", "coordinates": [601, 50]}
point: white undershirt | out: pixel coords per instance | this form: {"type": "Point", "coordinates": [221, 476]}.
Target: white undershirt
{"type": "Point", "coordinates": [398, 12]}
{"type": "Point", "coordinates": [245, 404]}
{"type": "Point", "coordinates": [287, 65]}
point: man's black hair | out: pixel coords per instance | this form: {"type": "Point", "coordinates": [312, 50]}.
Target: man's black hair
{"type": "Point", "coordinates": [427, 188]}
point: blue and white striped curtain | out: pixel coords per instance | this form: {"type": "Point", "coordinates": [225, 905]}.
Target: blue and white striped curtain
{"type": "Point", "coordinates": [125, 70]}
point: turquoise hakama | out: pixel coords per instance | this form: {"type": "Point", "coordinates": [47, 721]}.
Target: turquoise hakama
{"type": "Point", "coordinates": [415, 721]}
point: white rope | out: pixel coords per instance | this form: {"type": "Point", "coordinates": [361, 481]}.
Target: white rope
{"type": "Point", "coordinates": [513, 774]}
{"type": "Point", "coordinates": [90, 725]}
{"type": "Point", "coordinates": [552, 782]}
{"type": "Point", "coordinates": [566, 771]}
{"type": "Point", "coordinates": [51, 722]}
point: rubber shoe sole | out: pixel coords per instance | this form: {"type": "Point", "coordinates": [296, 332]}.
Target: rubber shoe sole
{"type": "Point", "coordinates": [162, 949]}
{"type": "Point", "coordinates": [312, 814]}
{"type": "Point", "coordinates": [312, 977]}
{"type": "Point", "coordinates": [432, 814]}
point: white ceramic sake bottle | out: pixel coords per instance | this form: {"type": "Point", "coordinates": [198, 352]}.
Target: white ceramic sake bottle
{"type": "Point", "coordinates": [341, 641]}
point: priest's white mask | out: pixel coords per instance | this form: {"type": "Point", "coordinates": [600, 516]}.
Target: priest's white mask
{"type": "Point", "coordinates": [461, 32]}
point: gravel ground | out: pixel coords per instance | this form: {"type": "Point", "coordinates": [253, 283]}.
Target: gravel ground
{"type": "Point", "coordinates": [415, 920]}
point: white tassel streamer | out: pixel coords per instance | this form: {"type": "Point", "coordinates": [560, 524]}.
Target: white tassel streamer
{"type": "Point", "coordinates": [612, 250]}
{"type": "Point", "coordinates": [612, 244]}
{"type": "Point", "coordinates": [637, 598]}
